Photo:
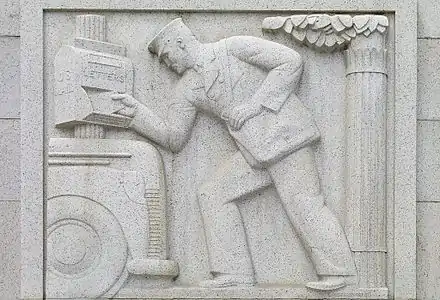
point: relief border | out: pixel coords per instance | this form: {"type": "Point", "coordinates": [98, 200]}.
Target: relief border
{"type": "Point", "coordinates": [34, 146]}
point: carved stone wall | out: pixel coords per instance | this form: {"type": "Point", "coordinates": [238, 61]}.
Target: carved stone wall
{"type": "Point", "coordinates": [136, 206]}
{"type": "Point", "coordinates": [106, 198]}
{"type": "Point", "coordinates": [364, 39]}
{"type": "Point", "coordinates": [10, 149]}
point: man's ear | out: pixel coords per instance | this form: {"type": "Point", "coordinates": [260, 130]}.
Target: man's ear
{"type": "Point", "coordinates": [180, 43]}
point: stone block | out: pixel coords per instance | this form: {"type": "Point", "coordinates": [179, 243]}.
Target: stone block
{"type": "Point", "coordinates": [262, 155]}
{"type": "Point", "coordinates": [428, 161]}
{"type": "Point", "coordinates": [428, 251]}
{"type": "Point", "coordinates": [428, 105]}
{"type": "Point", "coordinates": [428, 13]}
{"type": "Point", "coordinates": [10, 17]}
{"type": "Point", "coordinates": [9, 77]}
{"type": "Point", "coordinates": [9, 250]}
{"type": "Point", "coordinates": [10, 159]}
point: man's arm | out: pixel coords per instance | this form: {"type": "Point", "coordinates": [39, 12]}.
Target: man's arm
{"type": "Point", "coordinates": [284, 66]}
{"type": "Point", "coordinates": [171, 133]}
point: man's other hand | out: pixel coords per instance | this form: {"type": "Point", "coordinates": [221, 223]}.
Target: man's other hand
{"type": "Point", "coordinates": [129, 102]}
{"type": "Point", "coordinates": [240, 114]}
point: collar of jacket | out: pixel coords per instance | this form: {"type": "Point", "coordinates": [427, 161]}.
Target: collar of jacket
{"type": "Point", "coordinates": [208, 66]}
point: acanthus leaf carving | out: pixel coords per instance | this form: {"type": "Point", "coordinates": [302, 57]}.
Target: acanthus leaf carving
{"type": "Point", "coordinates": [327, 33]}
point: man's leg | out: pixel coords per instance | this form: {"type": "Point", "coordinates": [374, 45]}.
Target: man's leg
{"type": "Point", "coordinates": [297, 182]}
{"type": "Point", "coordinates": [229, 256]}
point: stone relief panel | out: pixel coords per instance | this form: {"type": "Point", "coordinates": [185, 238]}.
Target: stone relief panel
{"type": "Point", "coordinates": [106, 204]}
{"type": "Point", "coordinates": [191, 157]}
{"type": "Point", "coordinates": [363, 39]}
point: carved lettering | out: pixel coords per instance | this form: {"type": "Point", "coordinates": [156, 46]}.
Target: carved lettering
{"type": "Point", "coordinates": [104, 72]}
{"type": "Point", "coordinates": [65, 83]}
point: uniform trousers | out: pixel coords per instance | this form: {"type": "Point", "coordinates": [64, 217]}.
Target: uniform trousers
{"type": "Point", "coordinates": [296, 180]}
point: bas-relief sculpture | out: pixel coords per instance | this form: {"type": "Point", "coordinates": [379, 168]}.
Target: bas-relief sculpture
{"type": "Point", "coordinates": [273, 138]}
{"type": "Point", "coordinates": [106, 207]}
{"type": "Point", "coordinates": [366, 93]}
{"type": "Point", "coordinates": [107, 201]}
{"type": "Point", "coordinates": [327, 33]}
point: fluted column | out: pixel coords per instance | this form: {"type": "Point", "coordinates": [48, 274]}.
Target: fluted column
{"type": "Point", "coordinates": [89, 131]}
{"type": "Point", "coordinates": [90, 27]}
{"type": "Point", "coordinates": [157, 248]}
{"type": "Point", "coordinates": [363, 39]}
{"type": "Point", "coordinates": [366, 97]}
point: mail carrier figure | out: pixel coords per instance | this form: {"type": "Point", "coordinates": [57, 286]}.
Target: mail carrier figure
{"type": "Point", "coordinates": [249, 83]}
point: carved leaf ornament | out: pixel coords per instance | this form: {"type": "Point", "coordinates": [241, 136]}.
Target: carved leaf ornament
{"type": "Point", "coordinates": [327, 33]}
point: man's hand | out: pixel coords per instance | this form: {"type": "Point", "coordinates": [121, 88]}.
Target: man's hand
{"type": "Point", "coordinates": [129, 102]}
{"type": "Point", "coordinates": [240, 114]}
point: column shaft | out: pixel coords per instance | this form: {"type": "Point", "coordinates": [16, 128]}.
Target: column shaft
{"type": "Point", "coordinates": [90, 27]}
{"type": "Point", "coordinates": [366, 97]}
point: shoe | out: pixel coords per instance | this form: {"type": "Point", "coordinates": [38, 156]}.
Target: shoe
{"type": "Point", "coordinates": [327, 283]}
{"type": "Point", "coordinates": [221, 281]}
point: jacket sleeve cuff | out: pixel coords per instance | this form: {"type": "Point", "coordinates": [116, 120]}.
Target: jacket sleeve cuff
{"type": "Point", "coordinates": [271, 107]}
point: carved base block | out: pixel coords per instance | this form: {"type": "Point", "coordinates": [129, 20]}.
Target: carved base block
{"type": "Point", "coordinates": [99, 227]}
{"type": "Point", "coordinates": [153, 267]}
{"type": "Point", "coordinates": [263, 292]}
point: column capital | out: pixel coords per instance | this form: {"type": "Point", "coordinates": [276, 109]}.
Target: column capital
{"type": "Point", "coordinates": [327, 33]}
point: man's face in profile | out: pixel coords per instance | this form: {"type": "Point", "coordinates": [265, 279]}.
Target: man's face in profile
{"type": "Point", "coordinates": [175, 57]}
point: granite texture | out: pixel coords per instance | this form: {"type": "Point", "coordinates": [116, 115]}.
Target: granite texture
{"type": "Point", "coordinates": [10, 77]}
{"type": "Point", "coordinates": [427, 166]}
{"type": "Point", "coordinates": [193, 225]}
{"type": "Point", "coordinates": [202, 147]}
{"type": "Point", "coordinates": [427, 13]}
{"type": "Point", "coordinates": [365, 58]}
{"type": "Point", "coordinates": [10, 249]}
{"type": "Point", "coordinates": [10, 159]}
{"type": "Point", "coordinates": [428, 87]}
{"type": "Point", "coordinates": [428, 161]}
{"type": "Point", "coordinates": [32, 139]}
{"type": "Point", "coordinates": [10, 18]}
{"type": "Point", "coordinates": [428, 239]}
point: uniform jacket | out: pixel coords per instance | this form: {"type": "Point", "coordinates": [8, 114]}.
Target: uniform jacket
{"type": "Point", "coordinates": [240, 70]}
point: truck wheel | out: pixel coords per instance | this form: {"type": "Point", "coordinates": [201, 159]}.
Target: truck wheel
{"type": "Point", "coordinates": [86, 249]}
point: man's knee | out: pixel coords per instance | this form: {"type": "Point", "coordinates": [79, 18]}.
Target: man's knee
{"type": "Point", "coordinates": [212, 197]}
{"type": "Point", "coordinates": [205, 187]}
{"type": "Point", "coordinates": [206, 194]}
